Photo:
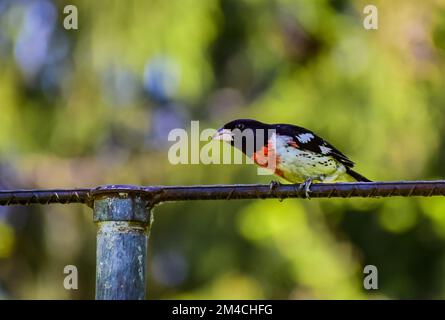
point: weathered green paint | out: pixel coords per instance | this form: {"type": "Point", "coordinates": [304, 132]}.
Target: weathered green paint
{"type": "Point", "coordinates": [123, 224]}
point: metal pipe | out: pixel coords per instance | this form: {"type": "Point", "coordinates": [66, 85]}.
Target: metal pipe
{"type": "Point", "coordinates": [123, 223]}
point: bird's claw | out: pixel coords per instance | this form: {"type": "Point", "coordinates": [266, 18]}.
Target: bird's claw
{"type": "Point", "coordinates": [306, 186]}
{"type": "Point", "coordinates": [274, 185]}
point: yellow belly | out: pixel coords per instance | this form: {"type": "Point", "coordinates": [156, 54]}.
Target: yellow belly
{"type": "Point", "coordinates": [296, 166]}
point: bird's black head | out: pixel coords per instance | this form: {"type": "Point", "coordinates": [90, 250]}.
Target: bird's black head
{"type": "Point", "coordinates": [240, 130]}
{"type": "Point", "coordinates": [243, 124]}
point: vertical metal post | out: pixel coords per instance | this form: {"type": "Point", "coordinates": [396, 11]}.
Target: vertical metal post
{"type": "Point", "coordinates": [123, 222]}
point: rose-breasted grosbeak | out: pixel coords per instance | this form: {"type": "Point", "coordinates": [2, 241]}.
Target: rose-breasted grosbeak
{"type": "Point", "coordinates": [298, 154]}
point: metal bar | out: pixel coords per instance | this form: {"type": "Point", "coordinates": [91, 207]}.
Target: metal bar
{"type": "Point", "coordinates": [157, 194]}
{"type": "Point", "coordinates": [27, 197]}
{"type": "Point", "coordinates": [123, 223]}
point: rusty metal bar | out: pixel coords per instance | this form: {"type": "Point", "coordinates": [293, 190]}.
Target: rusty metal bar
{"type": "Point", "coordinates": [27, 197]}
{"type": "Point", "coordinates": [158, 194]}
{"type": "Point", "coordinates": [322, 190]}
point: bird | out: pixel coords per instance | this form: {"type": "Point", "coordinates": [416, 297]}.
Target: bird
{"type": "Point", "coordinates": [298, 155]}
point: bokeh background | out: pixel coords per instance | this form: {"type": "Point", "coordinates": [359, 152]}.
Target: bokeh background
{"type": "Point", "coordinates": [81, 108]}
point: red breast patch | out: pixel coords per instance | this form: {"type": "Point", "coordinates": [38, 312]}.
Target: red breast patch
{"type": "Point", "coordinates": [266, 157]}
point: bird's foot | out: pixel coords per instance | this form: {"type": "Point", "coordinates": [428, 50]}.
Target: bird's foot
{"type": "Point", "coordinates": [274, 185]}
{"type": "Point", "coordinates": [306, 186]}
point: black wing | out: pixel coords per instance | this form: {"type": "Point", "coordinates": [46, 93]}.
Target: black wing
{"type": "Point", "coordinates": [308, 140]}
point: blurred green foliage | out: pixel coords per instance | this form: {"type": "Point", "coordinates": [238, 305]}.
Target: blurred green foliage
{"type": "Point", "coordinates": [94, 106]}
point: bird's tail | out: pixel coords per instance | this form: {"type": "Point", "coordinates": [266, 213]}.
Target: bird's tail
{"type": "Point", "coordinates": [357, 176]}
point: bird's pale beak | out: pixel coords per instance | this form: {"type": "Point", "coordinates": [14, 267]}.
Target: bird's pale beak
{"type": "Point", "coordinates": [223, 135]}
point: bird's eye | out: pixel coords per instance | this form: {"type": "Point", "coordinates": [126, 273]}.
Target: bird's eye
{"type": "Point", "coordinates": [240, 126]}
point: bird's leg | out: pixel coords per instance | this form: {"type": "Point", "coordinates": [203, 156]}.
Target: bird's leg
{"type": "Point", "coordinates": [306, 185]}
{"type": "Point", "coordinates": [274, 185]}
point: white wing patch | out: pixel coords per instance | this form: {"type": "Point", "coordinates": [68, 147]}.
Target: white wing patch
{"type": "Point", "coordinates": [325, 150]}
{"type": "Point", "coordinates": [305, 137]}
